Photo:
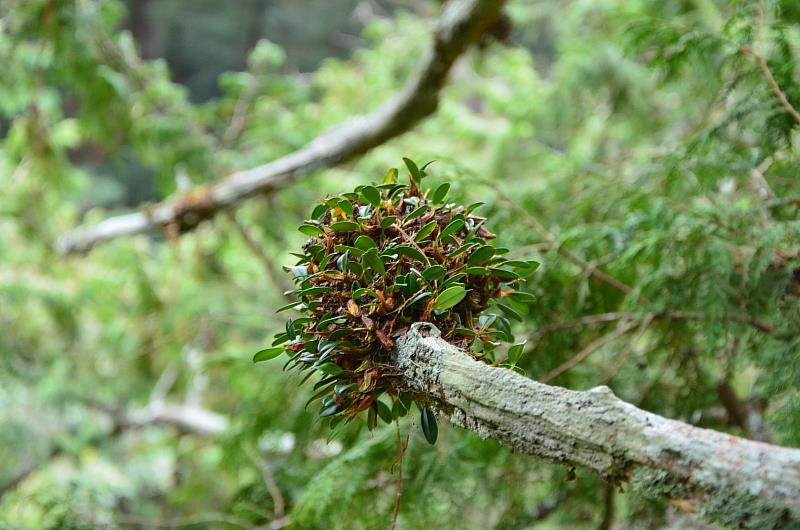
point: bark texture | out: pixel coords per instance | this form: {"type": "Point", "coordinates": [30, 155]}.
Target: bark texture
{"type": "Point", "coordinates": [728, 480]}
{"type": "Point", "coordinates": [462, 23]}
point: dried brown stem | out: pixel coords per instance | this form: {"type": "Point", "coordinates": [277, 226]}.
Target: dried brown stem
{"type": "Point", "coordinates": [776, 89]}
{"type": "Point", "coordinates": [588, 350]}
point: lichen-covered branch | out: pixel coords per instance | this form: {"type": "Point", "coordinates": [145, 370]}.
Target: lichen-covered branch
{"type": "Point", "coordinates": [729, 480]}
{"type": "Point", "coordinates": [462, 23]}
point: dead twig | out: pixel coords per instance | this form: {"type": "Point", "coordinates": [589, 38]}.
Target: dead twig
{"type": "Point", "coordinates": [401, 448]}
{"type": "Point", "coordinates": [776, 89]}
{"type": "Point", "coordinates": [587, 351]}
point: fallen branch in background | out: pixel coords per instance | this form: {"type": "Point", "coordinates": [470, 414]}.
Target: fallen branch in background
{"type": "Point", "coordinates": [722, 478]}
{"type": "Point", "coordinates": [185, 417]}
{"type": "Point", "coordinates": [462, 24]}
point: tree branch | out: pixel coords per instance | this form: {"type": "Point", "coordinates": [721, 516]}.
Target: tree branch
{"type": "Point", "coordinates": [186, 417]}
{"type": "Point", "coordinates": [773, 84]}
{"type": "Point", "coordinates": [461, 24]}
{"type": "Point", "coordinates": [729, 480]}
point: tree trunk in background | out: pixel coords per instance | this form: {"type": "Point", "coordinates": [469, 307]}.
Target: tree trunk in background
{"type": "Point", "coordinates": [146, 30]}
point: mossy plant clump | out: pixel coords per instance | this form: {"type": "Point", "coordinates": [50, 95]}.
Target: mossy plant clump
{"type": "Point", "coordinates": [379, 259]}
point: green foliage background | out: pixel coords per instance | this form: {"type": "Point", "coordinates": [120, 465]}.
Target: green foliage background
{"type": "Point", "coordinates": [637, 136]}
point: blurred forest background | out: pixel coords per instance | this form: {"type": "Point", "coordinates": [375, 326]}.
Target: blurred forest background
{"type": "Point", "coordinates": [645, 152]}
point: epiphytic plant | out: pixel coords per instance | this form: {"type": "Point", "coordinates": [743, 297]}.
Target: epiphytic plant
{"type": "Point", "coordinates": [379, 259]}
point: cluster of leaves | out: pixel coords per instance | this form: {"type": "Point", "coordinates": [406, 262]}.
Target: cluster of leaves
{"type": "Point", "coordinates": [379, 259]}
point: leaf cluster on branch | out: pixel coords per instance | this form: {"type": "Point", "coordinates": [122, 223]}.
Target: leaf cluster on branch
{"type": "Point", "coordinates": [381, 258]}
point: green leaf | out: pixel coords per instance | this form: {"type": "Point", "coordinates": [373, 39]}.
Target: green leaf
{"type": "Point", "coordinates": [480, 255]}
{"type": "Point", "coordinates": [396, 189]}
{"type": "Point", "coordinates": [390, 175]}
{"type": "Point", "coordinates": [288, 306]}
{"type": "Point", "coordinates": [355, 268]}
{"type": "Point", "coordinates": [449, 297]}
{"type": "Point", "coordinates": [463, 248]}
{"type": "Point", "coordinates": [417, 298]}
{"type": "Point", "coordinates": [267, 354]}
{"type": "Point", "coordinates": [504, 274]}
{"type": "Point", "coordinates": [364, 243]}
{"type": "Point", "coordinates": [323, 264]}
{"type": "Point", "coordinates": [313, 291]}
{"type": "Point", "coordinates": [335, 319]}
{"type": "Point", "coordinates": [318, 211]}
{"type": "Point", "coordinates": [311, 230]}
{"type": "Point", "coordinates": [346, 206]}
{"type": "Point", "coordinates": [425, 165]}
{"type": "Point", "coordinates": [411, 252]}
{"type": "Point", "coordinates": [341, 262]}
{"type": "Point", "coordinates": [344, 226]}
{"type": "Point", "coordinates": [330, 369]}
{"type": "Point", "coordinates": [388, 221]}
{"type": "Point", "coordinates": [522, 296]}
{"type": "Point", "coordinates": [515, 351]}
{"type": "Point", "coordinates": [374, 261]}
{"type": "Point", "coordinates": [473, 206]}
{"type": "Point", "coordinates": [429, 427]}
{"type": "Point", "coordinates": [384, 411]}
{"type": "Point", "coordinates": [345, 248]}
{"type": "Point", "coordinates": [454, 278]}
{"type": "Point", "coordinates": [416, 213]}
{"type": "Point", "coordinates": [372, 195]}
{"type": "Point", "coordinates": [413, 170]}
{"type": "Point", "coordinates": [434, 273]}
{"type": "Point", "coordinates": [453, 227]}
{"type": "Point", "coordinates": [316, 396]}
{"type": "Point", "coordinates": [363, 291]}
{"type": "Point", "coordinates": [477, 271]}
{"type": "Point", "coordinates": [523, 268]}
{"type": "Point", "coordinates": [510, 312]}
{"type": "Point", "coordinates": [425, 231]}
{"type": "Point", "coordinates": [441, 193]}
{"type": "Point", "coordinates": [484, 321]}
{"type": "Point", "coordinates": [329, 410]}
{"type": "Point", "coordinates": [280, 339]}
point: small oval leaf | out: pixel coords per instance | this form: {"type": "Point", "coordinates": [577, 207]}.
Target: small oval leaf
{"type": "Point", "coordinates": [311, 230]}
{"type": "Point", "coordinates": [454, 226]}
{"type": "Point", "coordinates": [481, 255]}
{"type": "Point", "coordinates": [429, 427]}
{"type": "Point", "coordinates": [449, 297]}
{"type": "Point", "coordinates": [318, 211]}
{"type": "Point", "coordinates": [434, 273]}
{"type": "Point", "coordinates": [390, 175]}
{"type": "Point", "coordinates": [425, 231]}
{"type": "Point", "coordinates": [372, 195]}
{"type": "Point", "coordinates": [388, 221]}
{"type": "Point", "coordinates": [344, 226]}
{"type": "Point", "coordinates": [364, 243]}
{"type": "Point", "coordinates": [267, 354]}
{"type": "Point", "coordinates": [441, 193]}
{"type": "Point", "coordinates": [413, 170]}
{"type": "Point", "coordinates": [416, 213]}
{"type": "Point", "coordinates": [412, 253]}
{"type": "Point", "coordinates": [346, 206]}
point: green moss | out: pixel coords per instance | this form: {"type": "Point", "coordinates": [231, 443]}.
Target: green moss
{"type": "Point", "coordinates": [729, 510]}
